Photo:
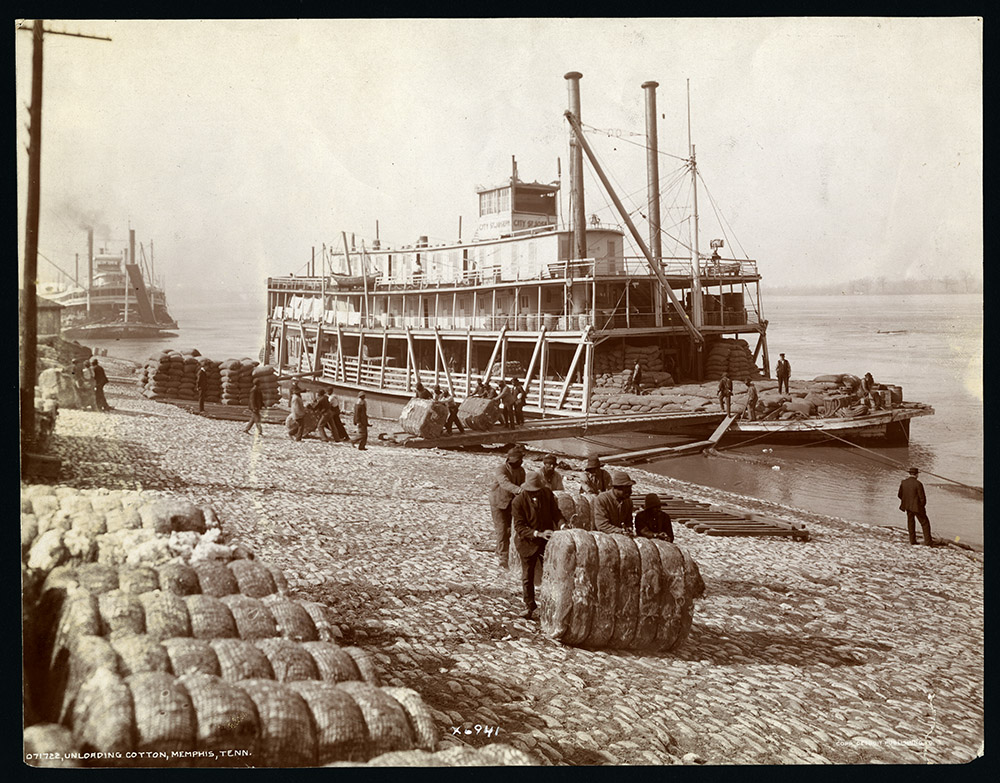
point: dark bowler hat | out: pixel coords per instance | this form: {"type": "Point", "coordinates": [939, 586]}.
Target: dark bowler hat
{"type": "Point", "coordinates": [533, 483]}
{"type": "Point", "coordinates": [361, 394]}
{"type": "Point", "coordinates": [913, 471]}
{"type": "Point", "coordinates": [323, 392]}
{"type": "Point", "coordinates": [515, 454]}
{"type": "Point", "coordinates": [621, 479]}
{"type": "Point", "coordinates": [782, 354]}
{"type": "Point", "coordinates": [549, 459]}
{"type": "Point", "coordinates": [652, 501]}
{"type": "Point", "coordinates": [593, 462]}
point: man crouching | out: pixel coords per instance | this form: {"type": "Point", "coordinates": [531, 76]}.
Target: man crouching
{"type": "Point", "coordinates": [536, 514]}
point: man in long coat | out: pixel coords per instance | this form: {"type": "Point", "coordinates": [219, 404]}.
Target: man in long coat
{"type": "Point", "coordinates": [507, 481]}
{"type": "Point", "coordinates": [535, 515]}
{"type": "Point", "coordinates": [100, 381]}
{"type": "Point", "coordinates": [913, 501]}
{"type": "Point", "coordinates": [361, 421]}
{"type": "Point", "coordinates": [783, 372]}
{"type": "Point", "coordinates": [613, 509]}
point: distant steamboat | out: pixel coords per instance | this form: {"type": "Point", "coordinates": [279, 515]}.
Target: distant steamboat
{"type": "Point", "coordinates": [120, 299]}
{"type": "Point", "coordinates": [552, 304]}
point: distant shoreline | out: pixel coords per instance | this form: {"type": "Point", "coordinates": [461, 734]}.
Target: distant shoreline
{"type": "Point", "coordinates": [775, 291]}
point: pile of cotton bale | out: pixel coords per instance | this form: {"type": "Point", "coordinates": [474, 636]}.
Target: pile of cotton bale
{"type": "Point", "coordinates": [168, 659]}
{"type": "Point", "coordinates": [679, 399]}
{"type": "Point", "coordinates": [425, 418]}
{"type": "Point", "coordinates": [267, 379]}
{"type": "Point", "coordinates": [732, 357]}
{"type": "Point", "coordinates": [237, 380]}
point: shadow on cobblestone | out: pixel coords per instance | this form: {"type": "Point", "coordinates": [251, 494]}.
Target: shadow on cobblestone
{"type": "Point", "coordinates": [715, 646]}
{"type": "Point", "coordinates": [89, 461]}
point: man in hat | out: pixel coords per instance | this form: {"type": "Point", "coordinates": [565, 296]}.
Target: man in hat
{"type": "Point", "coordinates": [520, 398]}
{"type": "Point", "coordinates": [595, 478]}
{"type": "Point", "coordinates": [506, 397]}
{"type": "Point", "coordinates": [256, 405]}
{"type": "Point", "coordinates": [321, 407]}
{"type": "Point", "coordinates": [337, 424]}
{"type": "Point", "coordinates": [83, 379]}
{"type": "Point", "coordinates": [653, 521]}
{"type": "Point", "coordinates": [613, 508]}
{"type": "Point", "coordinates": [421, 392]}
{"type": "Point", "coordinates": [296, 421]}
{"type": "Point", "coordinates": [361, 421]}
{"type": "Point", "coordinates": [535, 515]}
{"type": "Point", "coordinates": [100, 381]}
{"type": "Point", "coordinates": [549, 475]}
{"type": "Point", "coordinates": [783, 371]}
{"type": "Point", "coordinates": [913, 501]}
{"type": "Point", "coordinates": [725, 394]}
{"type": "Point", "coordinates": [449, 399]}
{"type": "Point", "coordinates": [201, 386]}
{"type": "Point", "coordinates": [507, 481]}
{"type": "Point", "coordinates": [635, 379]}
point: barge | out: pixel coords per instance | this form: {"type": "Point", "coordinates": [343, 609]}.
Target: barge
{"type": "Point", "coordinates": [555, 301]}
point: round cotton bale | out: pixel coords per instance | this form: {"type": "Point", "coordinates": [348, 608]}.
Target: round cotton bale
{"type": "Point", "coordinates": [178, 578]}
{"type": "Point", "coordinates": [332, 663]}
{"type": "Point", "coordinates": [210, 618]}
{"type": "Point", "coordinates": [253, 620]}
{"type": "Point", "coordinates": [121, 613]}
{"type": "Point", "coordinates": [326, 629]}
{"type": "Point", "coordinates": [254, 580]}
{"type": "Point", "coordinates": [585, 512]}
{"type": "Point", "coordinates": [293, 621]}
{"type": "Point", "coordinates": [124, 519]}
{"type": "Point", "coordinates": [425, 731]}
{"type": "Point", "coordinates": [556, 599]}
{"type": "Point", "coordinates": [287, 730]}
{"type": "Point", "coordinates": [649, 594]}
{"type": "Point", "coordinates": [365, 664]}
{"type": "Point", "coordinates": [241, 660]}
{"type": "Point", "coordinates": [75, 665]}
{"type": "Point", "coordinates": [50, 745]}
{"type": "Point", "coordinates": [627, 592]}
{"type": "Point", "coordinates": [225, 716]}
{"type": "Point", "coordinates": [341, 731]}
{"type": "Point", "coordinates": [280, 582]}
{"type": "Point", "coordinates": [103, 715]}
{"type": "Point", "coordinates": [289, 660]}
{"type": "Point", "coordinates": [602, 623]}
{"type": "Point", "coordinates": [388, 727]}
{"type": "Point", "coordinates": [164, 715]}
{"type": "Point", "coordinates": [139, 653]}
{"type": "Point", "coordinates": [566, 505]}
{"type": "Point", "coordinates": [166, 615]}
{"type": "Point", "coordinates": [138, 579]}
{"type": "Point", "coordinates": [191, 656]}
{"type": "Point", "coordinates": [97, 578]}
{"type": "Point", "coordinates": [172, 514]}
{"type": "Point", "coordinates": [215, 578]}
{"type": "Point", "coordinates": [584, 587]}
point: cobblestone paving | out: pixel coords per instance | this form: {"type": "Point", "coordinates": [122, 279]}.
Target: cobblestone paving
{"type": "Point", "coordinates": [851, 648]}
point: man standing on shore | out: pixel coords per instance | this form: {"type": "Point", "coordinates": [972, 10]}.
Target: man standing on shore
{"type": "Point", "coordinates": [507, 481]}
{"type": "Point", "coordinates": [913, 501]}
{"type": "Point", "coordinates": [201, 386]}
{"type": "Point", "coordinates": [595, 478]}
{"type": "Point", "coordinates": [256, 405]}
{"type": "Point", "coordinates": [726, 394]}
{"type": "Point", "coordinates": [296, 421]}
{"type": "Point", "coordinates": [752, 397]}
{"type": "Point", "coordinates": [339, 430]}
{"type": "Point", "coordinates": [783, 371]}
{"type": "Point", "coordinates": [613, 509]}
{"type": "Point", "coordinates": [520, 398]}
{"type": "Point", "coordinates": [100, 381]}
{"type": "Point", "coordinates": [321, 407]}
{"type": "Point", "coordinates": [449, 399]}
{"type": "Point", "coordinates": [361, 421]}
{"type": "Point", "coordinates": [535, 515]}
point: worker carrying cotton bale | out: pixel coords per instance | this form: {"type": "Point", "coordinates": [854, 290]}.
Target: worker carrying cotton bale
{"type": "Point", "coordinates": [423, 417]}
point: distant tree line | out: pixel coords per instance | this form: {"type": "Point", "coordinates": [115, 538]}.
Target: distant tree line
{"type": "Point", "coordinates": [961, 283]}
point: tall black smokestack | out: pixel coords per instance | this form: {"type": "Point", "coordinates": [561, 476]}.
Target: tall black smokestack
{"type": "Point", "coordinates": [652, 171]}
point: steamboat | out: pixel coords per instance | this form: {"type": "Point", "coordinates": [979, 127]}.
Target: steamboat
{"type": "Point", "coordinates": [558, 304]}
{"type": "Point", "coordinates": [120, 299]}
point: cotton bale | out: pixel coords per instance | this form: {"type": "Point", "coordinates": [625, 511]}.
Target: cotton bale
{"type": "Point", "coordinates": [164, 715]}
{"type": "Point", "coordinates": [479, 413]}
{"type": "Point", "coordinates": [341, 731]}
{"type": "Point", "coordinates": [166, 515]}
{"type": "Point", "coordinates": [388, 725]}
{"type": "Point", "coordinates": [333, 664]}
{"type": "Point", "coordinates": [287, 727]}
{"type": "Point", "coordinates": [225, 716]}
{"type": "Point", "coordinates": [424, 418]}
{"type": "Point", "coordinates": [289, 660]}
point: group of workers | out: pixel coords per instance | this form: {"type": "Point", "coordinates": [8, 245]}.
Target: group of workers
{"type": "Point", "coordinates": [526, 504]}
{"type": "Point", "coordinates": [439, 394]}
{"type": "Point", "coordinates": [326, 409]}
{"type": "Point", "coordinates": [511, 397]}
{"type": "Point", "coordinates": [90, 379]}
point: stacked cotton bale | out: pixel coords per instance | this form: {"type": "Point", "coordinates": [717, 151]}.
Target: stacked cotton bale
{"type": "Point", "coordinates": [237, 380]}
{"type": "Point", "coordinates": [425, 418]}
{"type": "Point", "coordinates": [162, 374]}
{"type": "Point", "coordinates": [648, 356]}
{"type": "Point", "coordinates": [479, 413]}
{"type": "Point", "coordinates": [676, 400]}
{"type": "Point", "coordinates": [732, 357]}
{"type": "Point", "coordinates": [189, 654]}
{"type": "Point", "coordinates": [602, 590]}
{"type": "Point", "coordinates": [267, 379]}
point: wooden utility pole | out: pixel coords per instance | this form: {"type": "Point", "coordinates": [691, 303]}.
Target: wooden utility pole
{"type": "Point", "coordinates": [29, 302]}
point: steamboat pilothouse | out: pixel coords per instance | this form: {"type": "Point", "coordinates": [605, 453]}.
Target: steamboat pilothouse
{"type": "Point", "coordinates": [526, 298]}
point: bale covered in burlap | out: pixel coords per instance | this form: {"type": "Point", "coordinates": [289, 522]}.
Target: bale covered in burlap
{"type": "Point", "coordinates": [613, 591]}
{"type": "Point", "coordinates": [425, 418]}
{"type": "Point", "coordinates": [479, 413]}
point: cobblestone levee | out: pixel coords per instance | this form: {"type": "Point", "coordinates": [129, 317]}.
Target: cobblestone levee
{"type": "Point", "coordinates": [851, 648]}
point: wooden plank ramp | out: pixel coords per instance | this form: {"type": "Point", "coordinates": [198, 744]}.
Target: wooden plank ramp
{"type": "Point", "coordinates": [215, 410]}
{"type": "Point", "coordinates": [663, 452]}
{"type": "Point", "coordinates": [713, 520]}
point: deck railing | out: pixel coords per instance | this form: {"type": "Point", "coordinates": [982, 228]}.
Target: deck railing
{"type": "Point", "coordinates": [370, 374]}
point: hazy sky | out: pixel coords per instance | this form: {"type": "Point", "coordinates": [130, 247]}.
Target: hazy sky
{"type": "Point", "coordinates": [834, 148]}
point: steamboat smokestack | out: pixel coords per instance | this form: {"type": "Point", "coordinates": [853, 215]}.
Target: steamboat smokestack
{"type": "Point", "coordinates": [90, 264]}
{"type": "Point", "coordinates": [652, 171]}
{"type": "Point", "coordinates": [578, 209]}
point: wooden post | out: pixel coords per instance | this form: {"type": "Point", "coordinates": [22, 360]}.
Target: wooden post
{"type": "Point", "coordinates": [412, 357]}
{"type": "Point", "coordinates": [282, 348]}
{"type": "Point", "coordinates": [503, 357]}
{"type": "Point", "coordinates": [588, 369]}
{"type": "Point", "coordinates": [493, 356]}
{"type": "Point", "coordinates": [447, 374]}
{"type": "Point", "coordinates": [569, 375]}
{"type": "Point", "coordinates": [437, 359]}
{"type": "Point", "coordinates": [542, 367]}
{"type": "Point", "coordinates": [534, 359]}
{"type": "Point", "coordinates": [341, 368]}
{"type": "Point", "coordinates": [305, 346]}
{"type": "Point", "coordinates": [361, 348]}
{"type": "Point", "coordinates": [385, 347]}
{"type": "Point", "coordinates": [347, 253]}
{"type": "Point", "coordinates": [319, 338]}
{"type": "Point", "coordinates": [468, 359]}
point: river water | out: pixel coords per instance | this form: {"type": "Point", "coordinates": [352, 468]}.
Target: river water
{"type": "Point", "coordinates": [931, 345]}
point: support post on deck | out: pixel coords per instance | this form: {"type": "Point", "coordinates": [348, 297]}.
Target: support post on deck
{"type": "Point", "coordinates": [305, 346]}
{"type": "Point", "coordinates": [341, 369]}
{"type": "Point", "coordinates": [493, 356]}
{"type": "Point", "coordinates": [535, 354]}
{"type": "Point", "coordinates": [503, 357]}
{"type": "Point", "coordinates": [542, 361]}
{"type": "Point", "coordinates": [468, 356]}
{"type": "Point", "coordinates": [588, 369]}
{"type": "Point", "coordinates": [361, 350]}
{"type": "Point", "coordinates": [444, 363]}
{"type": "Point", "coordinates": [319, 337]}
{"type": "Point", "coordinates": [385, 347]}
{"type": "Point", "coordinates": [282, 348]}
{"type": "Point", "coordinates": [267, 341]}
{"type": "Point", "coordinates": [569, 374]}
{"type": "Point", "coordinates": [412, 359]}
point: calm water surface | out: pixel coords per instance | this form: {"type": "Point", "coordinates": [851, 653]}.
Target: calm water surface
{"type": "Point", "coordinates": [934, 351]}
